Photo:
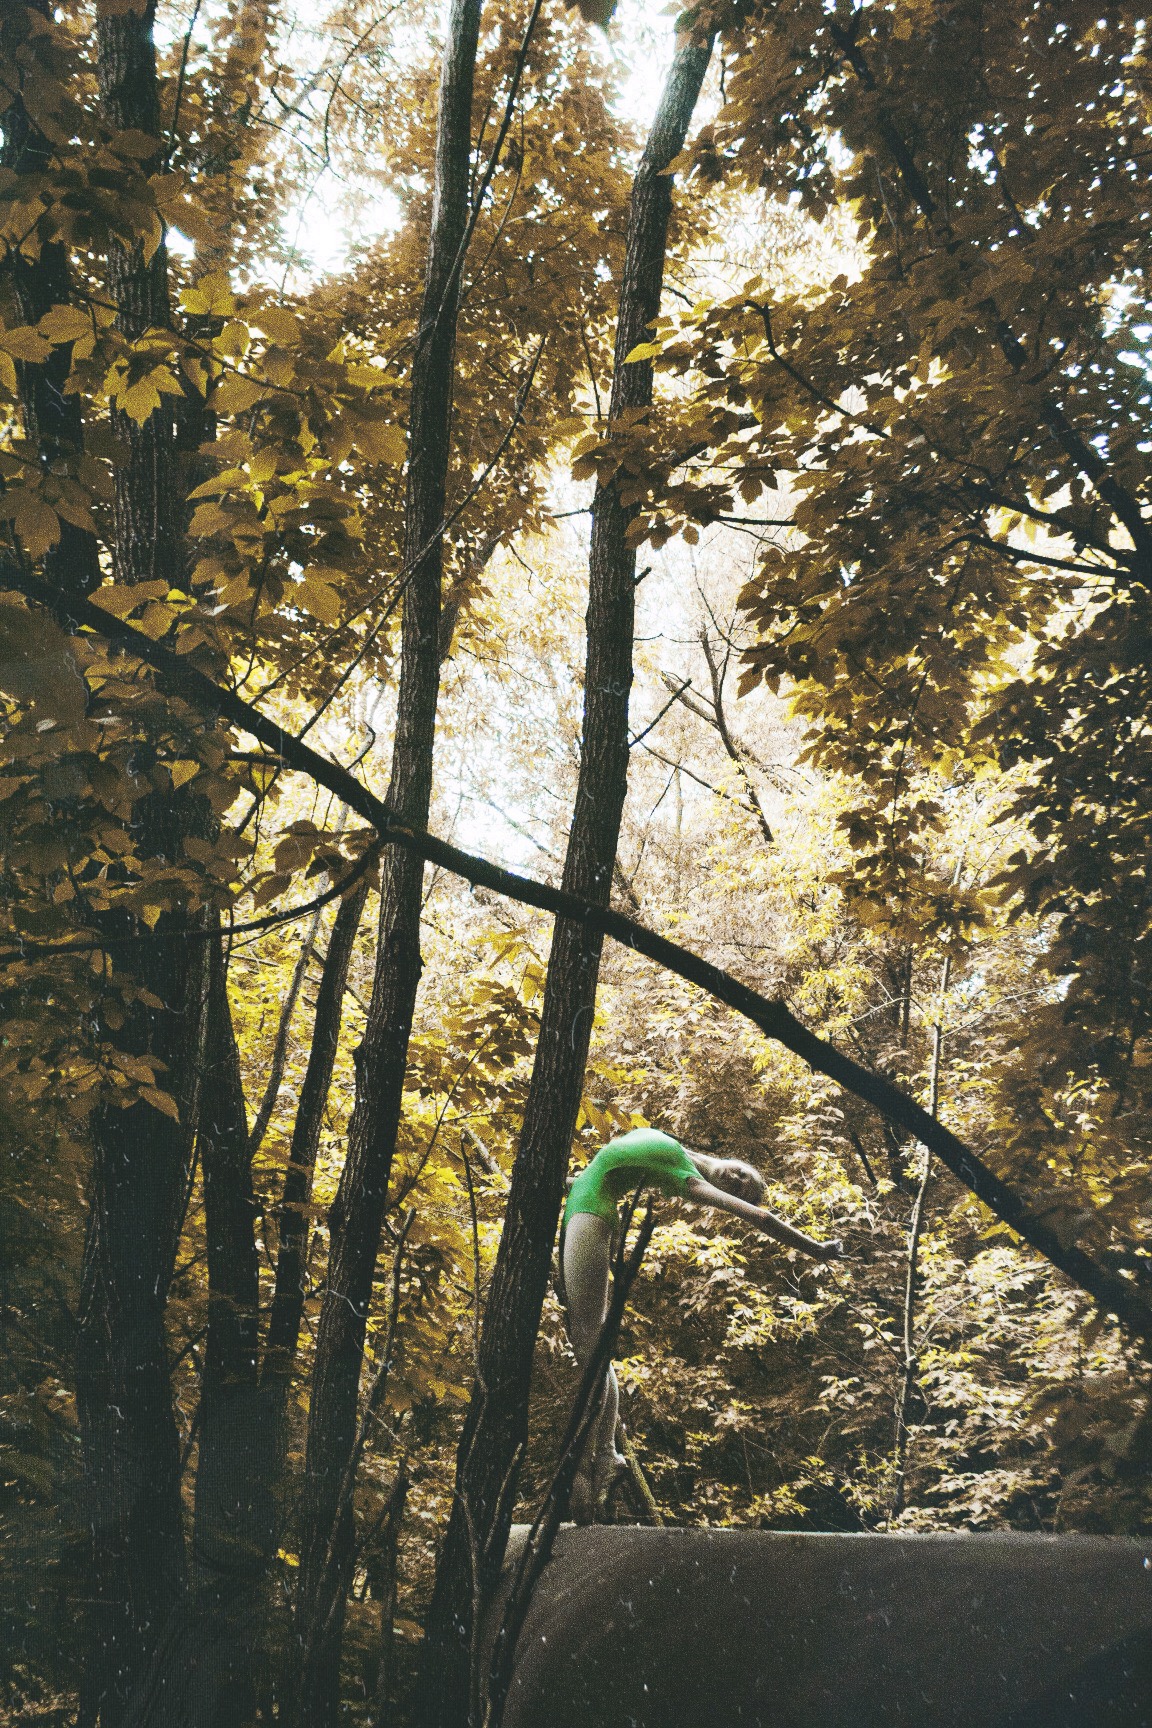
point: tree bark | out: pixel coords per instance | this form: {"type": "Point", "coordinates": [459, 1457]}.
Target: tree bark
{"type": "Point", "coordinates": [129, 1440]}
{"type": "Point", "coordinates": [358, 1211]}
{"type": "Point", "coordinates": [496, 1424]}
{"type": "Point", "coordinates": [226, 1546]}
{"type": "Point", "coordinates": [140, 1156]}
{"type": "Point", "coordinates": [287, 1307]}
{"type": "Point", "coordinates": [202, 1671]}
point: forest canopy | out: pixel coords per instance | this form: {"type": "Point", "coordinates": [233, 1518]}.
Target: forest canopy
{"type": "Point", "coordinates": [561, 569]}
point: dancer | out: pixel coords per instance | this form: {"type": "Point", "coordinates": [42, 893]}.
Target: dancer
{"type": "Point", "coordinates": [644, 1158]}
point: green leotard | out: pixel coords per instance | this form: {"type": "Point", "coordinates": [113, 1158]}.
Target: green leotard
{"type": "Point", "coordinates": [645, 1156]}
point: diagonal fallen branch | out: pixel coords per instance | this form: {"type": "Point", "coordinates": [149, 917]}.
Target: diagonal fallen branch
{"type": "Point", "coordinates": [1118, 1295]}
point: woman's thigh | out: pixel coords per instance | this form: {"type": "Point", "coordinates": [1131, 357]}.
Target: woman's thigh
{"type": "Point", "coordinates": [587, 1245]}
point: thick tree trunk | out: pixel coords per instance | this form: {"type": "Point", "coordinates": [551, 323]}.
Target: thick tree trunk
{"type": "Point", "coordinates": [358, 1211]}
{"type": "Point", "coordinates": [202, 1671]}
{"type": "Point", "coordinates": [128, 1432]}
{"type": "Point", "coordinates": [496, 1423]}
{"type": "Point", "coordinates": [140, 1156]}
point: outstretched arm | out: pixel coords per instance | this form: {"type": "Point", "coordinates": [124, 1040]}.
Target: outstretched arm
{"type": "Point", "coordinates": [705, 1194]}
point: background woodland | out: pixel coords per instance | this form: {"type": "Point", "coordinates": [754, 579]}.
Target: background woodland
{"type": "Point", "coordinates": [556, 574]}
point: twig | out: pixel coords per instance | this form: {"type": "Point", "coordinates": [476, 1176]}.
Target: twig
{"type": "Point", "coordinates": [307, 949]}
{"type": "Point", "coordinates": [652, 725]}
{"type": "Point", "coordinates": [735, 753]}
{"type": "Point", "coordinates": [394, 1512]}
{"type": "Point", "coordinates": [467, 1162]}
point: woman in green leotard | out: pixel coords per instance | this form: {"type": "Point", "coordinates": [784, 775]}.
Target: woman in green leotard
{"type": "Point", "coordinates": [645, 1158]}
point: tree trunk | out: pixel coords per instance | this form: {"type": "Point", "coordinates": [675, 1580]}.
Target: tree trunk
{"type": "Point", "coordinates": [140, 1156]}
{"type": "Point", "coordinates": [358, 1210]}
{"type": "Point", "coordinates": [202, 1670]}
{"type": "Point", "coordinates": [230, 1521]}
{"type": "Point", "coordinates": [287, 1307]}
{"type": "Point", "coordinates": [496, 1424]}
{"type": "Point", "coordinates": [128, 1431]}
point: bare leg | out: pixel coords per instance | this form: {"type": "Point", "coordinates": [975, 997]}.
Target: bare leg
{"type": "Point", "coordinates": [587, 1244]}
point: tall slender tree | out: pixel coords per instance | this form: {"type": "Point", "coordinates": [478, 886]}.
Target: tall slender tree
{"type": "Point", "coordinates": [357, 1213]}
{"type": "Point", "coordinates": [496, 1423]}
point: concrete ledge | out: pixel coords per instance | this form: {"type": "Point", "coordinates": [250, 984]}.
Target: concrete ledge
{"type": "Point", "coordinates": [686, 1628]}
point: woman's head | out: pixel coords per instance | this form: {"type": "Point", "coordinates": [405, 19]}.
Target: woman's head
{"type": "Point", "coordinates": [740, 1179]}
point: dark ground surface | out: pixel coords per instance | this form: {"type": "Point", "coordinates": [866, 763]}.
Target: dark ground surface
{"type": "Point", "coordinates": [682, 1628]}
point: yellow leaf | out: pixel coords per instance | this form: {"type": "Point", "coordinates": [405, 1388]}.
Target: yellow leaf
{"type": "Point", "coordinates": [208, 569]}
{"type": "Point", "coordinates": [235, 592]}
{"type": "Point", "coordinates": [133, 142]}
{"type": "Point", "coordinates": [338, 436]}
{"type": "Point", "coordinates": [211, 296]}
{"type": "Point", "coordinates": [269, 889]}
{"type": "Point", "coordinates": [278, 323]}
{"type": "Point", "coordinates": [235, 395]}
{"type": "Point", "coordinates": [182, 772]}
{"type": "Point", "coordinates": [263, 466]}
{"type": "Point", "coordinates": [192, 636]}
{"type": "Point", "coordinates": [381, 441]}
{"type": "Point", "coordinates": [65, 324]}
{"type": "Point", "coordinates": [278, 368]}
{"type": "Point", "coordinates": [643, 351]}
{"type": "Point", "coordinates": [24, 343]}
{"type": "Point", "coordinates": [36, 664]}
{"type": "Point", "coordinates": [316, 597]}
{"type": "Point", "coordinates": [233, 340]}
{"type": "Point", "coordinates": [36, 522]}
{"type": "Point", "coordinates": [157, 620]}
{"type": "Point", "coordinates": [7, 372]}
{"type": "Point", "coordinates": [120, 597]}
{"type": "Point", "coordinates": [196, 372]}
{"type": "Point", "coordinates": [143, 395]}
{"type": "Point", "coordinates": [161, 1101]}
{"type": "Point", "coordinates": [209, 519]}
{"type": "Point", "coordinates": [225, 481]}
{"type": "Point", "coordinates": [136, 1067]}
